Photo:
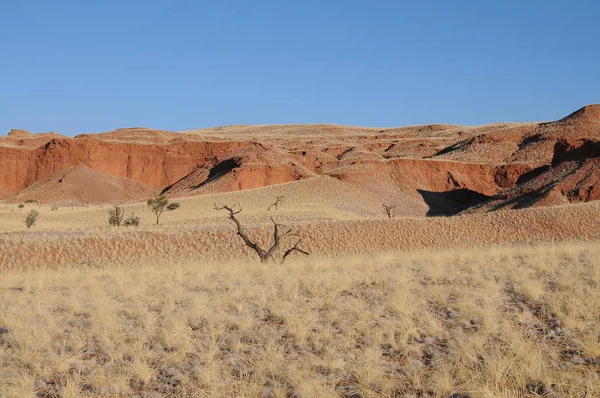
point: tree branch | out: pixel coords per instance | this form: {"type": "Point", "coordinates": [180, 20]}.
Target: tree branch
{"type": "Point", "coordinates": [242, 234]}
{"type": "Point", "coordinates": [276, 204]}
{"type": "Point", "coordinates": [294, 248]}
{"type": "Point", "coordinates": [390, 210]}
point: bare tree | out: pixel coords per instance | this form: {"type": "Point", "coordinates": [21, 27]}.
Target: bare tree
{"type": "Point", "coordinates": [390, 210]}
{"type": "Point", "coordinates": [264, 254]}
{"type": "Point", "coordinates": [276, 204]}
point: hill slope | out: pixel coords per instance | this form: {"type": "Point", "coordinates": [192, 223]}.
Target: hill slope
{"type": "Point", "coordinates": [444, 169]}
{"type": "Point", "coordinates": [81, 185]}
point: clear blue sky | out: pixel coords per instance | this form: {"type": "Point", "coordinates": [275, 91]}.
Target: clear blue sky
{"type": "Point", "coordinates": [90, 66]}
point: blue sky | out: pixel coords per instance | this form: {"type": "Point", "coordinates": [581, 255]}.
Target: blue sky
{"type": "Point", "coordinates": [83, 66]}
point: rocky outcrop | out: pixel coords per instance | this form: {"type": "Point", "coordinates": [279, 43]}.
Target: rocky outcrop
{"type": "Point", "coordinates": [24, 139]}
{"type": "Point", "coordinates": [18, 133]}
{"type": "Point", "coordinates": [507, 176]}
{"type": "Point", "coordinates": [154, 165]}
{"type": "Point", "coordinates": [504, 163]}
{"type": "Point", "coordinates": [253, 166]}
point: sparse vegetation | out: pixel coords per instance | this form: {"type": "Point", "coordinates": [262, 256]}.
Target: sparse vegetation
{"type": "Point", "coordinates": [265, 255]}
{"type": "Point", "coordinates": [503, 322]}
{"type": "Point", "coordinates": [173, 206]}
{"type": "Point", "coordinates": [115, 216]}
{"type": "Point", "coordinates": [31, 218]}
{"type": "Point", "coordinates": [54, 208]}
{"type": "Point", "coordinates": [133, 221]}
{"type": "Point", "coordinates": [161, 204]}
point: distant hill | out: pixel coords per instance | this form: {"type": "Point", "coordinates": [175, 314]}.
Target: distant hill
{"type": "Point", "coordinates": [425, 170]}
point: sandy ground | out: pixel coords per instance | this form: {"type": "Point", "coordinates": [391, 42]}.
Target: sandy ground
{"type": "Point", "coordinates": [331, 218]}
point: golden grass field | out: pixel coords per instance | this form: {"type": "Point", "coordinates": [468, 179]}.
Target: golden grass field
{"type": "Point", "coordinates": [504, 321]}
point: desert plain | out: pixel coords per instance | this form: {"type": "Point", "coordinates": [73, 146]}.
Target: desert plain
{"type": "Point", "coordinates": [434, 261]}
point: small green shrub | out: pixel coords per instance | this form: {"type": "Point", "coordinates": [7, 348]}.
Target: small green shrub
{"type": "Point", "coordinates": [161, 204]}
{"type": "Point", "coordinates": [173, 206]}
{"type": "Point", "coordinates": [31, 218]}
{"type": "Point", "coordinates": [133, 221]}
{"type": "Point", "coordinates": [115, 216]}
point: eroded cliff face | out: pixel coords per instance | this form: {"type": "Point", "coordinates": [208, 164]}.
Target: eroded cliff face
{"type": "Point", "coordinates": [14, 167]}
{"type": "Point", "coordinates": [154, 165]}
{"type": "Point", "coordinates": [444, 168]}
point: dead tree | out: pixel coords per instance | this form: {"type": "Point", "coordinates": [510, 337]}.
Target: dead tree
{"type": "Point", "coordinates": [390, 210]}
{"type": "Point", "coordinates": [292, 249]}
{"type": "Point", "coordinates": [264, 255]}
{"type": "Point", "coordinates": [276, 204]}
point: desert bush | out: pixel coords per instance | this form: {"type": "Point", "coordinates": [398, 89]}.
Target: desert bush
{"type": "Point", "coordinates": [115, 216]}
{"type": "Point", "coordinates": [31, 218]}
{"type": "Point", "coordinates": [21, 206]}
{"type": "Point", "coordinates": [132, 221]}
{"type": "Point", "coordinates": [54, 208]}
{"type": "Point", "coordinates": [173, 206]}
{"type": "Point", "coordinates": [161, 204]}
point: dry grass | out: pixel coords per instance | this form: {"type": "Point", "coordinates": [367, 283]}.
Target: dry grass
{"type": "Point", "coordinates": [490, 323]}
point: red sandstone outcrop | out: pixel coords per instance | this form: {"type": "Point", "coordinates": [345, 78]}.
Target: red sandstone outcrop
{"type": "Point", "coordinates": [154, 165]}
{"type": "Point", "coordinates": [504, 164]}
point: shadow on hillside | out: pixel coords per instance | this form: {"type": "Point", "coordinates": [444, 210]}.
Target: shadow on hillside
{"type": "Point", "coordinates": [221, 169]}
{"type": "Point", "coordinates": [450, 203]}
